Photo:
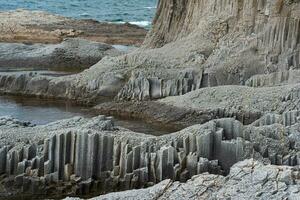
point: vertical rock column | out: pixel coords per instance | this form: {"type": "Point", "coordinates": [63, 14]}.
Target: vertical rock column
{"type": "Point", "coordinates": [3, 153]}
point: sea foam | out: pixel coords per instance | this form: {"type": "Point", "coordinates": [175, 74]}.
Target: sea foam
{"type": "Point", "coordinates": [141, 23]}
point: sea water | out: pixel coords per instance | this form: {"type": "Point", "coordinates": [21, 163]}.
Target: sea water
{"type": "Point", "coordinates": [139, 12]}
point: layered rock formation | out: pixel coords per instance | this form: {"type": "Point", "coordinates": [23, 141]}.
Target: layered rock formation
{"type": "Point", "coordinates": [23, 26]}
{"type": "Point", "coordinates": [227, 41]}
{"type": "Point", "coordinates": [243, 103]}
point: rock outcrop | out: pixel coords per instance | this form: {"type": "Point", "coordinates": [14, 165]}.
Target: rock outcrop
{"type": "Point", "coordinates": [246, 104]}
{"type": "Point", "coordinates": [247, 180]}
{"type": "Point", "coordinates": [81, 156]}
{"type": "Point", "coordinates": [24, 26]}
{"type": "Point", "coordinates": [273, 79]}
{"type": "Point", "coordinates": [196, 44]}
{"type": "Point", "coordinates": [208, 60]}
{"type": "Point", "coordinates": [71, 54]}
{"type": "Point", "coordinates": [231, 41]}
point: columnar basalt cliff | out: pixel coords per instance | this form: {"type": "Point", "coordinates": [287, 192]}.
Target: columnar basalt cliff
{"type": "Point", "coordinates": [262, 182]}
{"type": "Point", "coordinates": [229, 66]}
{"type": "Point", "coordinates": [81, 156]}
{"type": "Point", "coordinates": [196, 44]}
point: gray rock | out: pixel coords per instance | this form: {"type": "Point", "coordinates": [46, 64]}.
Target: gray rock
{"type": "Point", "coordinates": [71, 54]}
{"type": "Point", "coordinates": [120, 160]}
{"type": "Point", "coordinates": [194, 49]}
{"type": "Point", "coordinates": [248, 179]}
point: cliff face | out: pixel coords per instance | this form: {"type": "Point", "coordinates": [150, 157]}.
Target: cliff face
{"type": "Point", "coordinates": [199, 43]}
{"type": "Point", "coordinates": [180, 18]}
{"type": "Point", "coordinates": [244, 37]}
{"type": "Point", "coordinates": [92, 156]}
{"type": "Point", "coordinates": [228, 42]}
{"type": "Point", "coordinates": [177, 19]}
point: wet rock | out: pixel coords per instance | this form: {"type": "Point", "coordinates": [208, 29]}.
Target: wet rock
{"type": "Point", "coordinates": [9, 121]}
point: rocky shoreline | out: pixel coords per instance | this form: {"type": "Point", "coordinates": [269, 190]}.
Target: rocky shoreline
{"type": "Point", "coordinates": [35, 40]}
{"type": "Point", "coordinates": [29, 27]}
{"type": "Point", "coordinates": [226, 72]}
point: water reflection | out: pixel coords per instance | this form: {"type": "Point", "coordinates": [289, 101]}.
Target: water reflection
{"type": "Point", "coordinates": [39, 111]}
{"type": "Point", "coordinates": [42, 111]}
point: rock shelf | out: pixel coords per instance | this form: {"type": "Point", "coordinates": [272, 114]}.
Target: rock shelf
{"type": "Point", "coordinates": [24, 26]}
{"type": "Point", "coordinates": [72, 54]}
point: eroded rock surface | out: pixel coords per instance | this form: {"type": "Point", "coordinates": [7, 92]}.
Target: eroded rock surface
{"type": "Point", "coordinates": [92, 156]}
{"type": "Point", "coordinates": [197, 44]}
{"type": "Point", "coordinates": [69, 55]}
{"type": "Point", "coordinates": [229, 66]}
{"type": "Point", "coordinates": [247, 180]}
{"type": "Point", "coordinates": [23, 26]}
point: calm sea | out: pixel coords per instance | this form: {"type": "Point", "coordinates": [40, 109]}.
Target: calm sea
{"type": "Point", "coordinates": [139, 12]}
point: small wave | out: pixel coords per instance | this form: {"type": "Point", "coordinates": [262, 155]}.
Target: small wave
{"type": "Point", "coordinates": [150, 7]}
{"type": "Point", "coordinates": [84, 15]}
{"type": "Point", "coordinates": [74, 5]}
{"type": "Point", "coordinates": [141, 23]}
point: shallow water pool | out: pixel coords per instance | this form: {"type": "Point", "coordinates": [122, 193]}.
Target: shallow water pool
{"type": "Point", "coordinates": [41, 111]}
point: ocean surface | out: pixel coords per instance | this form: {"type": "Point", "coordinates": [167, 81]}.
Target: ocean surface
{"type": "Point", "coordinates": [139, 12]}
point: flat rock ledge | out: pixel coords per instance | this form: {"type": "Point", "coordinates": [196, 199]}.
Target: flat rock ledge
{"type": "Point", "coordinates": [71, 54]}
{"type": "Point", "coordinates": [80, 157]}
{"type": "Point", "coordinates": [24, 26]}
